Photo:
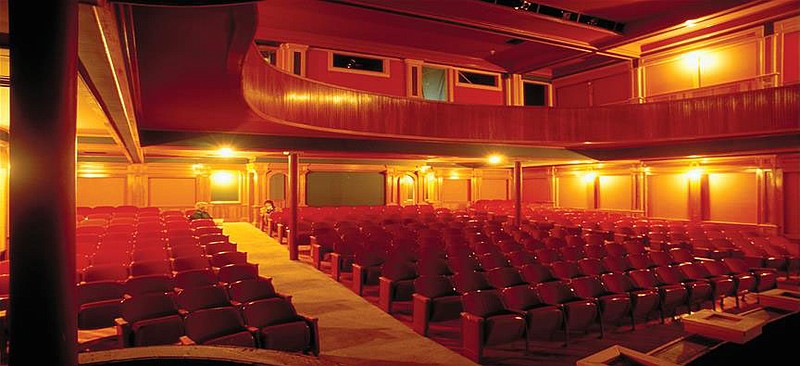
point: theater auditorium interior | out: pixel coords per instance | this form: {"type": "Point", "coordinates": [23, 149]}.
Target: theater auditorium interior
{"type": "Point", "coordinates": [411, 182]}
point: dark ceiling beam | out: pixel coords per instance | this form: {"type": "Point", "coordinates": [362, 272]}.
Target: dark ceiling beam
{"type": "Point", "coordinates": [103, 69]}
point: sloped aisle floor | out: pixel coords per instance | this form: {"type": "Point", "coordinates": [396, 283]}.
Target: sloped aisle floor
{"type": "Point", "coordinates": [352, 330]}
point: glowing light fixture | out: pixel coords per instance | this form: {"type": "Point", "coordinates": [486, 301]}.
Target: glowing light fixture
{"type": "Point", "coordinates": [424, 168]}
{"type": "Point", "coordinates": [494, 159]}
{"type": "Point", "coordinates": [222, 178]}
{"type": "Point", "coordinates": [225, 152]}
{"type": "Point", "coordinates": [589, 177]}
{"type": "Point", "coordinates": [694, 173]}
{"type": "Point", "coordinates": [690, 23]}
{"type": "Point", "coordinates": [453, 175]}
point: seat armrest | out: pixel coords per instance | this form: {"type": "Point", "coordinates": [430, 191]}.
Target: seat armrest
{"type": "Point", "coordinates": [186, 341]}
{"type": "Point", "coordinates": [124, 333]}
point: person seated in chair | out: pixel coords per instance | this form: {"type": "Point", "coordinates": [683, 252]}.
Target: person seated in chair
{"type": "Point", "coordinates": [268, 208]}
{"type": "Point", "coordinates": [200, 211]}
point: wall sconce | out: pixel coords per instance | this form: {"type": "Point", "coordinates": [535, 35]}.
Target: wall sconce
{"type": "Point", "coordinates": [589, 177]}
{"type": "Point", "coordinates": [694, 173]}
{"type": "Point", "coordinates": [222, 178]}
{"type": "Point", "coordinates": [494, 159]}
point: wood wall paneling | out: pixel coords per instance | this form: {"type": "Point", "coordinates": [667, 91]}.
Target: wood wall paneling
{"type": "Point", "coordinates": [105, 191]}
{"type": "Point", "coordinates": [494, 189]}
{"type": "Point", "coordinates": [573, 192]}
{"type": "Point", "coordinates": [668, 196]}
{"type": "Point", "coordinates": [172, 192]}
{"type": "Point", "coordinates": [615, 192]}
{"type": "Point", "coordinates": [733, 197]}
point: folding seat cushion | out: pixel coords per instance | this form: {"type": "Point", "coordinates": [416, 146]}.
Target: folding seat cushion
{"type": "Point", "coordinates": [235, 272]}
{"type": "Point", "coordinates": [217, 326]}
{"type": "Point", "coordinates": [151, 267]}
{"type": "Point", "coordinates": [195, 278]}
{"type": "Point", "coordinates": [765, 277]}
{"type": "Point", "coordinates": [486, 322]}
{"type": "Point", "coordinates": [99, 304]}
{"type": "Point", "coordinates": [698, 291]}
{"type": "Point", "coordinates": [280, 327]}
{"type": "Point", "coordinates": [644, 301]}
{"type": "Point", "coordinates": [140, 285]}
{"type": "Point", "coordinates": [149, 319]}
{"type": "Point", "coordinates": [743, 282]}
{"type": "Point", "coordinates": [244, 291]}
{"type": "Point", "coordinates": [672, 296]}
{"type": "Point", "coordinates": [435, 299]}
{"type": "Point", "coordinates": [193, 299]}
{"type": "Point", "coordinates": [542, 319]}
{"type": "Point", "coordinates": [580, 313]}
{"type": "Point", "coordinates": [396, 283]}
{"type": "Point", "coordinates": [535, 273]}
{"type": "Point", "coordinates": [611, 306]}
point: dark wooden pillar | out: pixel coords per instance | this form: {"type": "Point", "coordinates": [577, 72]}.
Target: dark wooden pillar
{"type": "Point", "coordinates": [517, 193]}
{"type": "Point", "coordinates": [44, 55]}
{"type": "Point", "coordinates": [294, 190]}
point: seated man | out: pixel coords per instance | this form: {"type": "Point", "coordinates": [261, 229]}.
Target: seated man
{"type": "Point", "coordinates": [268, 208]}
{"type": "Point", "coordinates": [200, 211]}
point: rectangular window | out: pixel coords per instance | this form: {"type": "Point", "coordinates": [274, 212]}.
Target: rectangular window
{"type": "Point", "coordinates": [297, 63]}
{"type": "Point", "coordinates": [270, 55]}
{"type": "Point", "coordinates": [478, 80]}
{"type": "Point", "coordinates": [434, 83]}
{"type": "Point", "coordinates": [534, 94]}
{"type": "Point", "coordinates": [361, 63]}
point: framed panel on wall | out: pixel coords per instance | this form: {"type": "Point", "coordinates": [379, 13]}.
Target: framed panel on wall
{"type": "Point", "coordinates": [226, 186]}
{"type": "Point", "coordinates": [172, 192]}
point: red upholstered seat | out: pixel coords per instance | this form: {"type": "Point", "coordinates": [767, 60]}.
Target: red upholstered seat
{"type": "Point", "coordinates": [140, 285]}
{"type": "Point", "coordinates": [486, 322]}
{"type": "Point", "coordinates": [193, 299]}
{"type": "Point", "coordinates": [505, 277]}
{"type": "Point", "coordinates": [396, 283]}
{"type": "Point", "coordinates": [765, 277]}
{"type": "Point", "coordinates": [217, 326]}
{"type": "Point", "coordinates": [612, 306]}
{"type": "Point", "coordinates": [153, 267]}
{"type": "Point", "coordinates": [564, 270]}
{"type": "Point", "coordinates": [542, 320]}
{"type": "Point", "coordinates": [221, 259]}
{"type": "Point", "coordinates": [580, 314]}
{"type": "Point", "coordinates": [721, 285]}
{"type": "Point", "coordinates": [99, 304]}
{"type": "Point", "coordinates": [535, 273]}
{"type": "Point", "coordinates": [190, 262]}
{"type": "Point", "coordinates": [280, 327]}
{"type": "Point", "coordinates": [644, 301]}
{"type": "Point", "coordinates": [244, 291]}
{"type": "Point", "coordinates": [195, 278]}
{"type": "Point", "coordinates": [149, 319]}
{"type": "Point", "coordinates": [672, 296]}
{"type": "Point", "coordinates": [235, 272]}
{"type": "Point", "coordinates": [471, 281]}
{"type": "Point", "coordinates": [435, 299]}
{"type": "Point", "coordinates": [592, 267]}
{"type": "Point", "coordinates": [699, 291]}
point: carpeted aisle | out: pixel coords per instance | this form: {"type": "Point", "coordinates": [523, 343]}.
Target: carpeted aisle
{"type": "Point", "coordinates": [352, 330]}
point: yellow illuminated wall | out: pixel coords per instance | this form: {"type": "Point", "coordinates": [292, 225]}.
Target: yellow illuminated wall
{"type": "Point", "coordinates": [573, 192]}
{"type": "Point", "coordinates": [494, 189]}
{"type": "Point", "coordinates": [172, 192]}
{"type": "Point", "coordinates": [455, 190]}
{"type": "Point", "coordinates": [614, 192]}
{"type": "Point", "coordinates": [668, 196]}
{"type": "Point", "coordinates": [733, 197]}
{"type": "Point", "coordinates": [103, 191]}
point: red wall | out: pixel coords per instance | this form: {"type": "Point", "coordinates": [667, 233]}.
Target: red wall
{"type": "Point", "coordinates": [607, 85]}
{"type": "Point", "coordinates": [467, 95]}
{"type": "Point", "coordinates": [317, 69]}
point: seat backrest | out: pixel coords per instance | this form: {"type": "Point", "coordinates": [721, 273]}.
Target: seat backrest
{"type": "Point", "coordinates": [482, 303]}
{"type": "Point", "coordinates": [150, 268]}
{"type": "Point", "coordinates": [536, 273]}
{"type": "Point", "coordinates": [617, 264]}
{"type": "Point", "coordinates": [190, 262]}
{"type": "Point", "coordinates": [615, 250]}
{"type": "Point", "coordinates": [99, 291]}
{"type": "Point", "coordinates": [431, 266]}
{"type": "Point", "coordinates": [587, 286]}
{"type": "Point", "coordinates": [222, 259]}
{"type": "Point", "coordinates": [736, 265]}
{"type": "Point", "coordinates": [670, 275]}
{"type": "Point", "coordinates": [504, 277]}
{"type": "Point", "coordinates": [565, 270]}
{"type": "Point", "coordinates": [192, 299]}
{"type": "Point", "coordinates": [105, 272]}
{"type": "Point", "coordinates": [554, 293]}
{"type": "Point", "coordinates": [640, 261]}
{"type": "Point", "coordinates": [251, 289]}
{"type": "Point", "coordinates": [681, 255]}
{"type": "Point", "coordinates": [595, 251]}
{"type": "Point", "coordinates": [268, 312]}
{"type": "Point", "coordinates": [644, 278]}
{"type": "Point", "coordinates": [433, 286]}
{"type": "Point", "coordinates": [147, 306]}
{"type": "Point", "coordinates": [206, 324]}
{"type": "Point", "coordinates": [398, 270]}
{"type": "Point", "coordinates": [466, 282]}
{"type": "Point", "coordinates": [694, 270]}
{"type": "Point", "coordinates": [195, 278]}
{"type": "Point", "coordinates": [520, 297]}
{"type": "Point", "coordinates": [235, 272]}
{"type": "Point", "coordinates": [591, 266]}
{"type": "Point", "coordinates": [661, 258]}
{"type": "Point", "coordinates": [491, 261]}
{"type": "Point", "coordinates": [716, 268]}
{"type": "Point", "coordinates": [139, 285]}
{"type": "Point", "coordinates": [617, 282]}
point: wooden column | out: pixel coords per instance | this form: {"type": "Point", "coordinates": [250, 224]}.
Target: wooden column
{"type": "Point", "coordinates": [44, 56]}
{"type": "Point", "coordinates": [517, 193]}
{"type": "Point", "coordinates": [294, 188]}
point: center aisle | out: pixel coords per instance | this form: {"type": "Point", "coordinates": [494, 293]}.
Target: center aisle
{"type": "Point", "coordinates": [352, 331]}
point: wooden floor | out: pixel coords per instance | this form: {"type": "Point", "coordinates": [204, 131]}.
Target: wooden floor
{"type": "Point", "coordinates": [354, 331]}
